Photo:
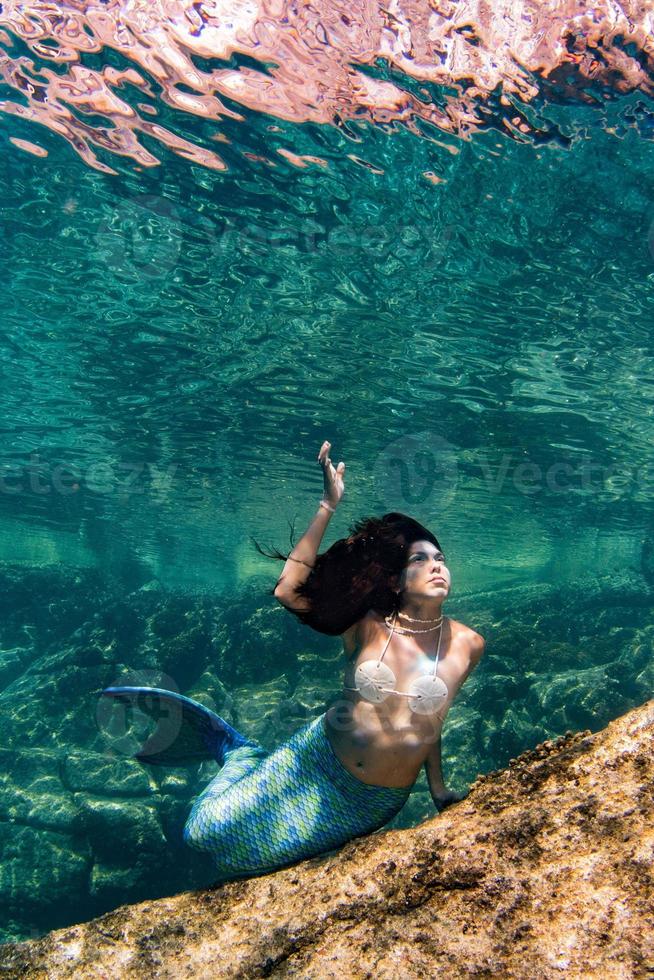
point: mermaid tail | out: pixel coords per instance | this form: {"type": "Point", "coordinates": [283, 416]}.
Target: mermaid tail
{"type": "Point", "coordinates": [259, 814]}
{"type": "Point", "coordinates": [263, 810]}
{"type": "Point", "coordinates": [186, 731]}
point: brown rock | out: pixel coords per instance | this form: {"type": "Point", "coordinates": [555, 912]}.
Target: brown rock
{"type": "Point", "coordinates": [545, 870]}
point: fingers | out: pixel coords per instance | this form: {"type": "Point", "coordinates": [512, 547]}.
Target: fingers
{"type": "Point", "coordinates": [323, 456]}
{"type": "Point", "coordinates": [326, 463]}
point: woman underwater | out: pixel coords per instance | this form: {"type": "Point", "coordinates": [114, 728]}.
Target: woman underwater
{"type": "Point", "coordinates": [349, 771]}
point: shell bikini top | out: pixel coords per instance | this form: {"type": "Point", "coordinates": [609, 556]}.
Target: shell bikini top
{"type": "Point", "coordinates": [375, 681]}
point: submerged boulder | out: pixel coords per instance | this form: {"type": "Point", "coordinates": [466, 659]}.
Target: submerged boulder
{"type": "Point", "coordinates": [545, 869]}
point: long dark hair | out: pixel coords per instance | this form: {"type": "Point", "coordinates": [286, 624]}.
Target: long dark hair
{"type": "Point", "coordinates": [357, 573]}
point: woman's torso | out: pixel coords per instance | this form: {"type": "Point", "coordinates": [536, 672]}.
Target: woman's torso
{"type": "Point", "coordinates": [386, 744]}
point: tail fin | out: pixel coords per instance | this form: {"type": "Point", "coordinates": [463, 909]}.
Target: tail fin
{"type": "Point", "coordinates": [186, 731]}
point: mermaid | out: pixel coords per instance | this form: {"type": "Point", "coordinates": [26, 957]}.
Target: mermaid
{"type": "Point", "coordinates": [349, 771]}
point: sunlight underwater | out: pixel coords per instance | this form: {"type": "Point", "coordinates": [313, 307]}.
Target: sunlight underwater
{"type": "Point", "coordinates": [231, 233]}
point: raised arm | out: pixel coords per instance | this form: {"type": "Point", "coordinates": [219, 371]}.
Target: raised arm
{"type": "Point", "coordinates": [302, 558]}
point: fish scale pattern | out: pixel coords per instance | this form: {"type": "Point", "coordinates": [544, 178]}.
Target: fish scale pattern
{"type": "Point", "coordinates": [266, 810]}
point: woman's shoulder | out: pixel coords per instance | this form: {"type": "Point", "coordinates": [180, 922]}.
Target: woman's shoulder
{"type": "Point", "coordinates": [356, 635]}
{"type": "Point", "coordinates": [467, 640]}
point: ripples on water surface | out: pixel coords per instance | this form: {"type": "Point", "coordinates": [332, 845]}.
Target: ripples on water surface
{"type": "Point", "coordinates": [424, 234]}
{"type": "Point", "coordinates": [376, 226]}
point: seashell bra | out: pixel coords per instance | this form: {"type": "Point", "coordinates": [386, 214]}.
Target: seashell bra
{"type": "Point", "coordinates": [375, 681]}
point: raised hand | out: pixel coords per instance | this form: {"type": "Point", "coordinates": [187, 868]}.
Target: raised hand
{"type": "Point", "coordinates": [333, 478]}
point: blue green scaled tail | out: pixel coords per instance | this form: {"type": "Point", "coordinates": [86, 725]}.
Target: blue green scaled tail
{"type": "Point", "coordinates": [264, 810]}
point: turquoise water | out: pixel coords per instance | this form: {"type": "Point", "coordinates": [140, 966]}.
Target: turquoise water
{"type": "Point", "coordinates": [179, 340]}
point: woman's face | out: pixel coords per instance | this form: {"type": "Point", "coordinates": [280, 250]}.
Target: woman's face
{"type": "Point", "coordinates": [426, 573]}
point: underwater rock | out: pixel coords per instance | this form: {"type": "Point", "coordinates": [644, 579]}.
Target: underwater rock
{"type": "Point", "coordinates": [645, 679]}
{"type": "Point", "coordinates": [578, 698]}
{"type": "Point", "coordinates": [94, 773]}
{"type": "Point", "coordinates": [544, 870]}
{"type": "Point", "coordinates": [256, 709]}
{"type": "Point", "coordinates": [48, 861]}
{"type": "Point", "coordinates": [132, 823]}
{"type": "Point", "coordinates": [12, 663]}
{"type": "Point", "coordinates": [66, 772]}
